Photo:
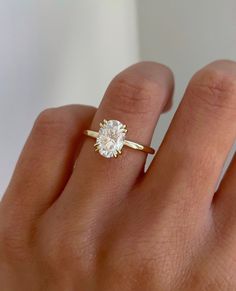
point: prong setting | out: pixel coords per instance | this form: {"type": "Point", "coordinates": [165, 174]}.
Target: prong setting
{"type": "Point", "coordinates": [110, 139]}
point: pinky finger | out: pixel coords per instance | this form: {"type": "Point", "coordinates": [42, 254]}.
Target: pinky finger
{"type": "Point", "coordinates": [46, 161]}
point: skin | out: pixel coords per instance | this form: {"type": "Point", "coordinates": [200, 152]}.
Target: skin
{"type": "Point", "coordinates": [107, 224]}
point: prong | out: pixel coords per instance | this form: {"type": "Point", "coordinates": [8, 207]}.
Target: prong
{"type": "Point", "coordinates": [104, 121]}
{"type": "Point", "coordinates": [101, 124]}
{"type": "Point", "coordinates": [96, 144]}
{"type": "Point", "coordinates": [115, 155]}
{"type": "Point", "coordinates": [125, 130]}
{"type": "Point", "coordinates": [119, 152]}
{"type": "Point", "coordinates": [96, 149]}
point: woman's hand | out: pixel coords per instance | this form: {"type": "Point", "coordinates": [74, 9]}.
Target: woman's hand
{"type": "Point", "coordinates": [106, 224]}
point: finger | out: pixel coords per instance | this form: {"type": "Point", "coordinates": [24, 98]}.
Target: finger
{"type": "Point", "coordinates": [47, 159]}
{"type": "Point", "coordinates": [135, 97]}
{"type": "Point", "coordinates": [190, 160]}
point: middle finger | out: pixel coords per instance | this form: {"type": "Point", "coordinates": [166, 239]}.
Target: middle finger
{"type": "Point", "coordinates": [192, 155]}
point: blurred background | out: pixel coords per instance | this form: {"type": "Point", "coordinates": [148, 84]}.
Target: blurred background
{"type": "Point", "coordinates": [66, 51]}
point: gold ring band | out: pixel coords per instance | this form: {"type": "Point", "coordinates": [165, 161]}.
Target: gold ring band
{"type": "Point", "coordinates": [128, 143]}
{"type": "Point", "coordinates": [110, 139]}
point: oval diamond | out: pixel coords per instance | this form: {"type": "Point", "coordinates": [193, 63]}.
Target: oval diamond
{"type": "Point", "coordinates": [111, 138]}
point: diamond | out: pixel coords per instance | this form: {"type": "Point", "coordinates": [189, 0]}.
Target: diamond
{"type": "Point", "coordinates": [111, 137]}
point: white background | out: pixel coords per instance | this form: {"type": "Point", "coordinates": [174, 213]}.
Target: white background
{"type": "Point", "coordinates": [58, 52]}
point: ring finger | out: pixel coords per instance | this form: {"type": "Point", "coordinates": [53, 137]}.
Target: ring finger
{"type": "Point", "coordinates": [135, 97]}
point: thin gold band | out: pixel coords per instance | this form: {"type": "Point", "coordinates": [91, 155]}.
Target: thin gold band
{"type": "Point", "coordinates": [128, 143]}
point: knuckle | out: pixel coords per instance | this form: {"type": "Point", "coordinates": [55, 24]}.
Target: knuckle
{"type": "Point", "coordinates": [53, 121]}
{"type": "Point", "coordinates": [134, 266]}
{"type": "Point", "coordinates": [132, 96]}
{"type": "Point", "coordinates": [49, 117]}
{"type": "Point", "coordinates": [71, 253]}
{"type": "Point", "coordinates": [215, 87]}
{"type": "Point", "coordinates": [56, 252]}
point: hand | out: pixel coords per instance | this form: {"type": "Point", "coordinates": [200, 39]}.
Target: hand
{"type": "Point", "coordinates": [108, 225]}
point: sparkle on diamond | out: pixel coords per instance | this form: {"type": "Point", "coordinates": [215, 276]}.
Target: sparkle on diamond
{"type": "Point", "coordinates": [110, 138]}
